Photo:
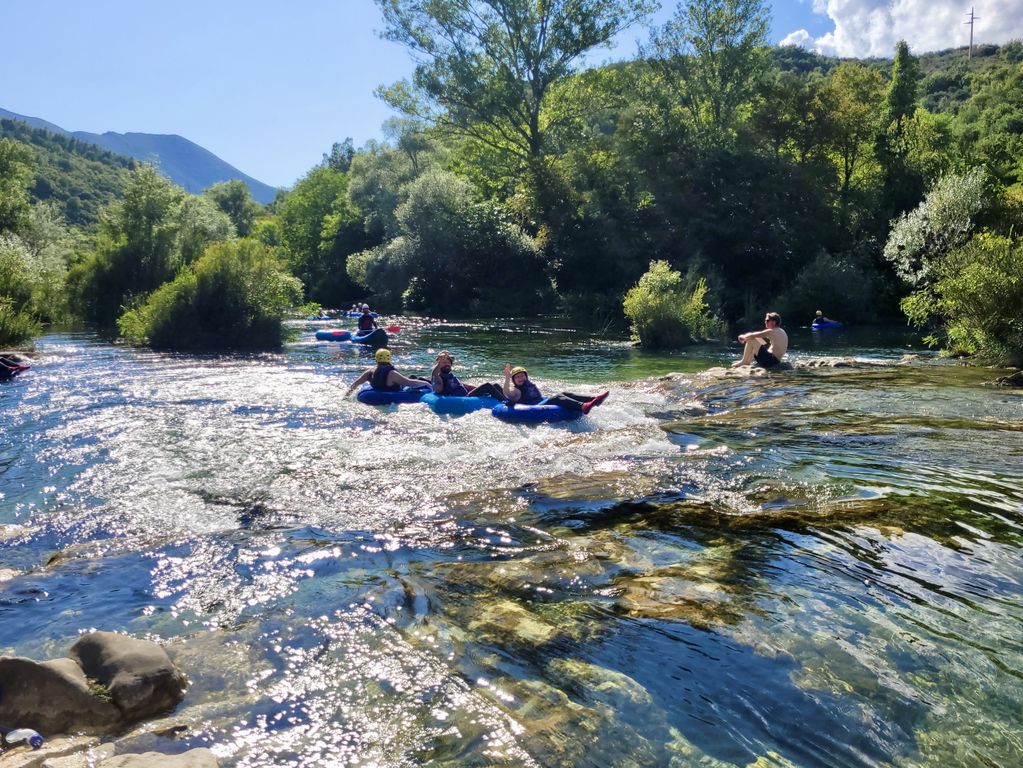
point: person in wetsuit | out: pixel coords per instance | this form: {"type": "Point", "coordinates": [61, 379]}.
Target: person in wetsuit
{"type": "Point", "coordinates": [767, 347]}
{"type": "Point", "coordinates": [520, 390]}
{"type": "Point", "coordinates": [445, 382]}
{"type": "Point", "coordinates": [9, 368]}
{"type": "Point", "coordinates": [383, 377]}
{"type": "Point", "coordinates": [820, 318]}
{"type": "Point", "coordinates": [366, 320]}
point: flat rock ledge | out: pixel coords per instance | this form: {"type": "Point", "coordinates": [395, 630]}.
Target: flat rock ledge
{"type": "Point", "coordinates": [108, 681]}
{"type": "Point", "coordinates": [89, 752]}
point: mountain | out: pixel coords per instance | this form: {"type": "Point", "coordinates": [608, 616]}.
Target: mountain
{"type": "Point", "coordinates": [183, 161]}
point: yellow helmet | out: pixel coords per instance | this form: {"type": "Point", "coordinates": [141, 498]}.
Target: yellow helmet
{"type": "Point", "coordinates": [819, 313]}
{"type": "Point", "coordinates": [517, 370]}
{"type": "Point", "coordinates": [382, 355]}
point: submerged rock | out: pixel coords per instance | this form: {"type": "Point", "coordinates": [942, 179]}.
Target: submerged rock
{"type": "Point", "coordinates": [508, 621]}
{"type": "Point", "coordinates": [601, 685]}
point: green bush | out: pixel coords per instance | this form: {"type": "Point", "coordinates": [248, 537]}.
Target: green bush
{"type": "Point", "coordinates": [234, 297]}
{"type": "Point", "coordinates": [668, 311]}
{"type": "Point", "coordinates": [978, 296]}
{"type": "Point", "coordinates": [942, 222]}
{"type": "Point", "coordinates": [15, 327]}
{"type": "Point", "coordinates": [18, 321]}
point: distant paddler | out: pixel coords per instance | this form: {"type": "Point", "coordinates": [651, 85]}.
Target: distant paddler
{"type": "Point", "coordinates": [366, 320]}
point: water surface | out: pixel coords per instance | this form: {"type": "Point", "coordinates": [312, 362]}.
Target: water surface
{"type": "Point", "coordinates": [818, 568]}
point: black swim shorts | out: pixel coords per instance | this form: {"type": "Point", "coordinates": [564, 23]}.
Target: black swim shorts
{"type": "Point", "coordinates": [765, 358]}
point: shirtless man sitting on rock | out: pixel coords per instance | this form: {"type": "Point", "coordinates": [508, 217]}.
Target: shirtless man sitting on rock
{"type": "Point", "coordinates": [767, 347]}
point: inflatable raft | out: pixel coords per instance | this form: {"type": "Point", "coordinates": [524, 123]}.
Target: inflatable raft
{"type": "Point", "coordinates": [457, 406]}
{"type": "Point", "coordinates": [375, 338]}
{"type": "Point", "coordinates": [535, 414]}
{"type": "Point", "coordinates": [333, 335]}
{"type": "Point", "coordinates": [371, 396]}
{"type": "Point", "coordinates": [815, 326]}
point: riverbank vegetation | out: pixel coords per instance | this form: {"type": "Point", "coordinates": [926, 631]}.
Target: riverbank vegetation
{"type": "Point", "coordinates": [517, 178]}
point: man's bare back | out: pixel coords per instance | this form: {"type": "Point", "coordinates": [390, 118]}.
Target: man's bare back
{"type": "Point", "coordinates": [779, 341]}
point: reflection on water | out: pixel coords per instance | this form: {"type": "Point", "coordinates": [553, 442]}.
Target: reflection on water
{"type": "Point", "coordinates": [819, 568]}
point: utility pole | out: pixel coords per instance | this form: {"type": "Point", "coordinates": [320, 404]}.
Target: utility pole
{"type": "Point", "coordinates": [970, 22]}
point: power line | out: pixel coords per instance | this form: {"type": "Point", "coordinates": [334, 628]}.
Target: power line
{"type": "Point", "coordinates": [970, 23]}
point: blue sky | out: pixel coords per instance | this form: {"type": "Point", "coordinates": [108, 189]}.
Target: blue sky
{"type": "Point", "coordinates": [268, 86]}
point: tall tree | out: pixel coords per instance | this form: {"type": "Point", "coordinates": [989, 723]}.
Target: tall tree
{"type": "Point", "coordinates": [15, 175]}
{"type": "Point", "coordinates": [487, 66]}
{"type": "Point", "coordinates": [233, 198]}
{"type": "Point", "coordinates": [903, 187]}
{"type": "Point", "coordinates": [848, 110]}
{"type": "Point", "coordinates": [900, 97]}
{"type": "Point", "coordinates": [710, 55]}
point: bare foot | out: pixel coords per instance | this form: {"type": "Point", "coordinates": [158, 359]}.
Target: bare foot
{"type": "Point", "coordinates": [737, 364]}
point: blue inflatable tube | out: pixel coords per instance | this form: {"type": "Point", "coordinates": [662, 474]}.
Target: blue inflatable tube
{"type": "Point", "coordinates": [535, 414]}
{"type": "Point", "coordinates": [358, 314]}
{"type": "Point", "coordinates": [829, 324]}
{"type": "Point", "coordinates": [457, 406]}
{"type": "Point", "coordinates": [375, 338]}
{"type": "Point", "coordinates": [371, 396]}
{"type": "Point", "coordinates": [333, 335]}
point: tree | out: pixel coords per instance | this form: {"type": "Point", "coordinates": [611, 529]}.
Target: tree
{"type": "Point", "coordinates": [710, 56]}
{"type": "Point", "coordinates": [454, 254]}
{"type": "Point", "coordinates": [321, 228]}
{"type": "Point", "coordinates": [487, 66]}
{"type": "Point", "coordinates": [145, 220]}
{"type": "Point", "coordinates": [902, 186]}
{"type": "Point", "coordinates": [234, 198]}
{"type": "Point", "coordinates": [900, 96]}
{"type": "Point", "coordinates": [142, 243]}
{"type": "Point", "coordinates": [848, 110]}
{"type": "Point", "coordinates": [15, 175]}
{"type": "Point", "coordinates": [340, 157]}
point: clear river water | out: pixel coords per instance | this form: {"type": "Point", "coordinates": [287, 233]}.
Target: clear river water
{"type": "Point", "coordinates": [816, 568]}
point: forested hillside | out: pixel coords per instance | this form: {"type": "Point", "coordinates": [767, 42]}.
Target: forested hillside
{"type": "Point", "coordinates": [80, 176]}
{"type": "Point", "coordinates": [743, 177]}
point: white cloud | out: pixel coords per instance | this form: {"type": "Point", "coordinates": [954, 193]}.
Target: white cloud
{"type": "Point", "coordinates": [872, 27]}
{"type": "Point", "coordinates": [800, 37]}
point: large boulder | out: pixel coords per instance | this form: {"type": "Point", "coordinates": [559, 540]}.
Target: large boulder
{"type": "Point", "coordinates": [139, 676]}
{"type": "Point", "coordinates": [51, 697]}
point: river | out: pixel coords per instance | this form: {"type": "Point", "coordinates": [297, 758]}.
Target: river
{"type": "Point", "coordinates": [816, 568]}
